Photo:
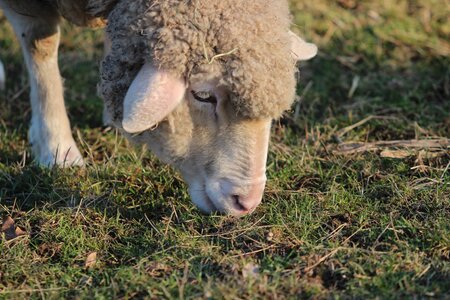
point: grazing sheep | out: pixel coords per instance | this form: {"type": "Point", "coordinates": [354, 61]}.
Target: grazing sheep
{"type": "Point", "coordinates": [199, 82]}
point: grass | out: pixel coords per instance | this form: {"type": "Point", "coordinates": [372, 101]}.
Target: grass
{"type": "Point", "coordinates": [330, 226]}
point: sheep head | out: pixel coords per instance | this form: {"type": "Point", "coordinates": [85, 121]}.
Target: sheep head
{"type": "Point", "coordinates": [201, 91]}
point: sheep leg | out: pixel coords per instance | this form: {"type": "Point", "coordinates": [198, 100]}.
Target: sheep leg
{"type": "Point", "coordinates": [38, 32]}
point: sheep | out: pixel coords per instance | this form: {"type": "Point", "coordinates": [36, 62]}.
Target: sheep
{"type": "Point", "coordinates": [198, 82]}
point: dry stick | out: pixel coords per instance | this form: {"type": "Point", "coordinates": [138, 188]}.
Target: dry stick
{"type": "Point", "coordinates": [333, 252]}
{"type": "Point", "coordinates": [437, 144]}
{"type": "Point", "coordinates": [431, 144]}
{"type": "Point", "coordinates": [340, 133]}
{"type": "Point", "coordinates": [335, 231]}
{"type": "Point", "coordinates": [221, 55]}
{"type": "Point", "coordinates": [347, 129]}
{"type": "Point", "coordinates": [251, 252]}
{"type": "Point", "coordinates": [4, 292]}
{"type": "Point", "coordinates": [210, 61]}
{"type": "Point", "coordinates": [321, 260]}
{"type": "Point", "coordinates": [19, 93]}
{"type": "Point", "coordinates": [344, 130]}
{"type": "Point", "coordinates": [424, 271]}
{"type": "Point", "coordinates": [445, 171]}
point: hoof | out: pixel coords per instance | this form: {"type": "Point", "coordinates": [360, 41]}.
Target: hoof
{"type": "Point", "coordinates": [67, 157]}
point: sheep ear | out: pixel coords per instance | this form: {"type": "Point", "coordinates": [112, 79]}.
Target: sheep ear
{"type": "Point", "coordinates": [301, 50]}
{"type": "Point", "coordinates": [151, 97]}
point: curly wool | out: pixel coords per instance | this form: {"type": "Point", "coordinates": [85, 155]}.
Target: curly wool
{"type": "Point", "coordinates": [247, 40]}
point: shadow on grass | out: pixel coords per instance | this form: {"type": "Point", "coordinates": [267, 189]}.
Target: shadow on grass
{"type": "Point", "coordinates": [53, 189]}
{"type": "Point", "coordinates": [32, 186]}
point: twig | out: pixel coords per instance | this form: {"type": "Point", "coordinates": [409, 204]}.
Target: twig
{"type": "Point", "coordinates": [445, 171]}
{"type": "Point", "coordinates": [19, 93]}
{"type": "Point", "coordinates": [357, 147]}
{"type": "Point", "coordinates": [221, 55]}
{"type": "Point", "coordinates": [347, 129]}
{"type": "Point", "coordinates": [252, 252]}
{"type": "Point", "coordinates": [4, 292]}
{"type": "Point", "coordinates": [321, 260]}
{"type": "Point", "coordinates": [333, 252]}
{"type": "Point", "coordinates": [335, 231]}
{"type": "Point", "coordinates": [210, 61]}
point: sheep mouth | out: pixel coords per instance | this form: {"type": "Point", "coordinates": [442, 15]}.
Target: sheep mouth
{"type": "Point", "coordinates": [210, 202]}
{"type": "Point", "coordinates": [201, 199]}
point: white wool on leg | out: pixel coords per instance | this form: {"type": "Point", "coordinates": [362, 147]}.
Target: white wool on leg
{"type": "Point", "coordinates": [50, 133]}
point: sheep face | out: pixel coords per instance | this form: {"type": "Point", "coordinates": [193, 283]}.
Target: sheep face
{"type": "Point", "coordinates": [221, 154]}
{"type": "Point", "coordinates": [226, 161]}
{"type": "Point", "coordinates": [195, 124]}
{"type": "Point", "coordinates": [199, 82]}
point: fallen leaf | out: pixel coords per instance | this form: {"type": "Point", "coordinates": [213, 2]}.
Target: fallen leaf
{"type": "Point", "coordinates": [91, 260]}
{"type": "Point", "coordinates": [10, 230]}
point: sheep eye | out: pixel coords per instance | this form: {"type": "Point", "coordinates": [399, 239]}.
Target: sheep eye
{"type": "Point", "coordinates": [206, 97]}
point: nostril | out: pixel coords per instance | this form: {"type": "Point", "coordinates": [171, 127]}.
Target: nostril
{"type": "Point", "coordinates": [238, 204]}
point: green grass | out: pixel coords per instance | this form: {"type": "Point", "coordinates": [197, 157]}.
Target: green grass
{"type": "Point", "coordinates": [330, 226]}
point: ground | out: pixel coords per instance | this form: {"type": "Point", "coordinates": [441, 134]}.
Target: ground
{"type": "Point", "coordinates": [332, 224]}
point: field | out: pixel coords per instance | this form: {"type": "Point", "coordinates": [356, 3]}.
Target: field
{"type": "Point", "coordinates": [333, 223]}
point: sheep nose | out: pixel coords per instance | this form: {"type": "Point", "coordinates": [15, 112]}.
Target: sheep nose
{"type": "Point", "coordinates": [246, 203]}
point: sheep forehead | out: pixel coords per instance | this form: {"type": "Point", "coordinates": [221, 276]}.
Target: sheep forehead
{"type": "Point", "coordinates": [247, 43]}
{"type": "Point", "coordinates": [248, 39]}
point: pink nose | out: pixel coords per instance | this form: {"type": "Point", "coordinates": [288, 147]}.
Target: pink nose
{"type": "Point", "coordinates": [246, 203]}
